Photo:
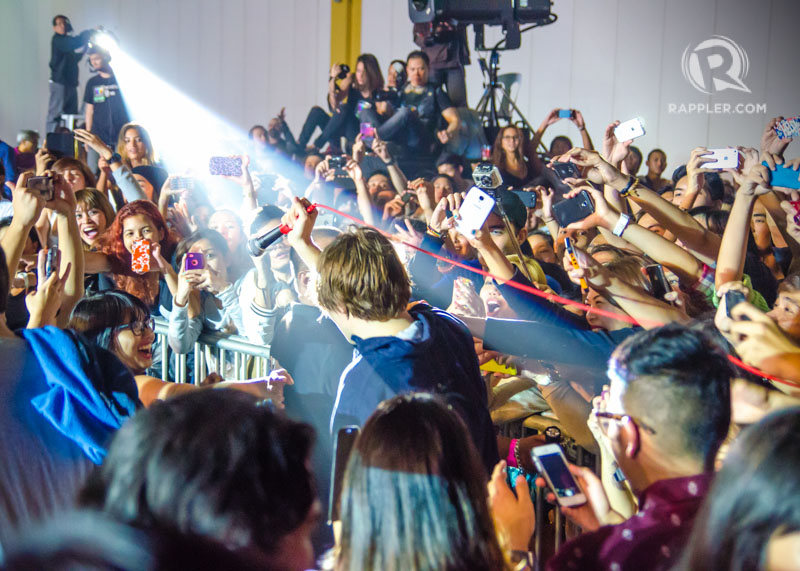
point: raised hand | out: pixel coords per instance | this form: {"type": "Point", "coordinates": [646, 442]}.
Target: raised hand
{"type": "Point", "coordinates": [770, 143]}
{"type": "Point", "coordinates": [513, 513]}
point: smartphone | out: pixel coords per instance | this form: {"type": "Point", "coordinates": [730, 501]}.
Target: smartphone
{"type": "Point", "coordinates": [527, 198]}
{"type": "Point", "coordinates": [407, 197]}
{"type": "Point", "coordinates": [573, 260]}
{"type": "Point", "coordinates": [552, 464]}
{"type": "Point", "coordinates": [565, 113]}
{"type": "Point", "coordinates": [336, 162]}
{"type": "Point", "coordinates": [61, 144]}
{"type": "Point", "coordinates": [573, 209]}
{"type": "Point", "coordinates": [345, 439]}
{"type": "Point", "coordinates": [182, 183]}
{"type": "Point", "coordinates": [732, 299]}
{"type": "Point", "coordinates": [566, 170]}
{"type": "Point", "coordinates": [658, 280]}
{"type": "Point", "coordinates": [228, 166]}
{"type": "Point", "coordinates": [788, 128]}
{"type": "Point", "coordinates": [140, 259]}
{"type": "Point", "coordinates": [723, 159]}
{"type": "Point", "coordinates": [51, 263]}
{"type": "Point", "coordinates": [44, 185]}
{"type": "Point", "coordinates": [194, 261]}
{"type": "Point", "coordinates": [474, 211]}
{"type": "Point", "coordinates": [367, 131]}
{"type": "Point", "coordinates": [632, 129]}
{"type": "Point", "coordinates": [784, 176]}
{"type": "Point", "coordinates": [486, 152]}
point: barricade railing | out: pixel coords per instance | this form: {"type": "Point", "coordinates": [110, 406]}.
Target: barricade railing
{"type": "Point", "coordinates": [232, 356]}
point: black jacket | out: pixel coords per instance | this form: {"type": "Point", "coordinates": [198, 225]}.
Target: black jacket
{"type": "Point", "coordinates": [63, 58]}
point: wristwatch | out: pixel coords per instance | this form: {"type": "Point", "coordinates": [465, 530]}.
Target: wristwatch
{"type": "Point", "coordinates": [115, 158]}
{"type": "Point", "coordinates": [552, 434]}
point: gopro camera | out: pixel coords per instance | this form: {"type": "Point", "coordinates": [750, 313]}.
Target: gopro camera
{"type": "Point", "coordinates": [487, 176]}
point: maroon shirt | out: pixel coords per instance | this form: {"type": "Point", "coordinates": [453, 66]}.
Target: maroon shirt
{"type": "Point", "coordinates": [650, 540]}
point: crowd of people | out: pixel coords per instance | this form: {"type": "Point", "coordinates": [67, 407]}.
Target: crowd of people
{"type": "Point", "coordinates": [659, 332]}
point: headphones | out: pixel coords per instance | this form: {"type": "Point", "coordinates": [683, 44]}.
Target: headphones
{"type": "Point", "coordinates": [68, 25]}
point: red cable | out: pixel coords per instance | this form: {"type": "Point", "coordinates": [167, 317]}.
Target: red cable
{"type": "Point", "coordinates": [548, 296]}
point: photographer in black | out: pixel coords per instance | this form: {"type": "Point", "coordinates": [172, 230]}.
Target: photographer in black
{"type": "Point", "coordinates": [445, 44]}
{"type": "Point", "coordinates": [420, 108]}
{"type": "Point", "coordinates": [64, 70]}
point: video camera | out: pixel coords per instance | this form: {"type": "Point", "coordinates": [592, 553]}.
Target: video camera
{"type": "Point", "coordinates": [486, 176]}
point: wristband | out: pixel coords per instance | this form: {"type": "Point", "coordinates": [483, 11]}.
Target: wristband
{"type": "Point", "coordinates": [433, 232]}
{"type": "Point", "coordinates": [390, 162]}
{"type": "Point", "coordinates": [627, 190]}
{"type": "Point", "coordinates": [622, 223]}
{"type": "Point", "coordinates": [114, 158]}
{"type": "Point", "coordinates": [513, 453]}
{"type": "Point", "coordinates": [516, 456]}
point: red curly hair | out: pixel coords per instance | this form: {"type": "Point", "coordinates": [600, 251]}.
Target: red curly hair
{"type": "Point", "coordinates": [145, 287]}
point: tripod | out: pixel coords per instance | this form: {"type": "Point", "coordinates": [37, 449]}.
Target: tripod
{"type": "Point", "coordinates": [494, 95]}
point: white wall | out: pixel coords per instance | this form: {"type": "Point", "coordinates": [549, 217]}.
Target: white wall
{"type": "Point", "coordinates": [244, 59]}
{"type": "Point", "coordinates": [618, 59]}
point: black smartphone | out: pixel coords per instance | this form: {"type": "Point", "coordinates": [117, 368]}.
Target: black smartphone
{"type": "Point", "coordinates": [61, 144]}
{"type": "Point", "coordinates": [345, 439]}
{"type": "Point", "coordinates": [336, 162]}
{"type": "Point", "coordinates": [44, 185]}
{"type": "Point", "coordinates": [573, 209]}
{"type": "Point", "coordinates": [527, 198]}
{"type": "Point", "coordinates": [566, 170]}
{"type": "Point", "coordinates": [732, 299]}
{"type": "Point", "coordinates": [658, 281]}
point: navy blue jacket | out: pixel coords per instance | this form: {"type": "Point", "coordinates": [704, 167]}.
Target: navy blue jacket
{"type": "Point", "coordinates": [441, 361]}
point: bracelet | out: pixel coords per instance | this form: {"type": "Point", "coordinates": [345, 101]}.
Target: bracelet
{"type": "Point", "coordinates": [516, 455]}
{"type": "Point", "coordinates": [433, 232]}
{"type": "Point", "coordinates": [548, 220]}
{"type": "Point", "coordinates": [627, 190]}
{"type": "Point", "coordinates": [622, 223]}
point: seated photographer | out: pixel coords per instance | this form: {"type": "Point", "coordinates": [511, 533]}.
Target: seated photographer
{"type": "Point", "coordinates": [365, 289]}
{"type": "Point", "coordinates": [414, 126]}
{"type": "Point", "coordinates": [355, 96]}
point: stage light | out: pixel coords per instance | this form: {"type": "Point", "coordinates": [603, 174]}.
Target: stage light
{"type": "Point", "coordinates": [105, 40]}
{"type": "Point", "coordinates": [186, 134]}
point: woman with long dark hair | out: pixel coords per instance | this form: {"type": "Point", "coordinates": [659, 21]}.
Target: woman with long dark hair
{"type": "Point", "coordinates": [751, 517]}
{"type": "Point", "coordinates": [509, 157]}
{"type": "Point", "coordinates": [414, 495]}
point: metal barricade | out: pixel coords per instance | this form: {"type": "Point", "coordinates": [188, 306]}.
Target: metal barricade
{"type": "Point", "coordinates": [232, 356]}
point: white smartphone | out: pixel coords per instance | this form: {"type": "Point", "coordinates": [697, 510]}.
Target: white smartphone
{"type": "Point", "coordinates": [628, 130]}
{"type": "Point", "coordinates": [474, 211]}
{"type": "Point", "coordinates": [723, 159]}
{"type": "Point", "coordinates": [550, 461]}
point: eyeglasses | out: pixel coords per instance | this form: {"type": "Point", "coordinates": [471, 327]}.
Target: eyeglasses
{"type": "Point", "coordinates": [621, 418]}
{"type": "Point", "coordinates": [511, 137]}
{"type": "Point", "coordinates": [138, 327]}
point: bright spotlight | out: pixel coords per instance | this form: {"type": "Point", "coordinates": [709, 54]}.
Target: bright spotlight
{"type": "Point", "coordinates": [106, 41]}
{"type": "Point", "coordinates": [185, 134]}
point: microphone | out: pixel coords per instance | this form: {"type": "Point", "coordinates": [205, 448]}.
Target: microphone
{"type": "Point", "coordinates": [256, 246]}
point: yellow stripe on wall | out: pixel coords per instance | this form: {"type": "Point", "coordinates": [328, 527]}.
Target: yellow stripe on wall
{"type": "Point", "coordinates": [345, 31]}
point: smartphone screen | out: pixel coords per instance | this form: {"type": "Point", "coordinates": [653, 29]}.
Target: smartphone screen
{"type": "Point", "coordinates": [557, 474]}
{"type": "Point", "coordinates": [345, 439]}
{"type": "Point", "coordinates": [565, 113]}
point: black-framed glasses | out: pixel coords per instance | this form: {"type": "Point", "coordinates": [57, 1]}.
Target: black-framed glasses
{"type": "Point", "coordinates": [138, 327]}
{"type": "Point", "coordinates": [622, 418]}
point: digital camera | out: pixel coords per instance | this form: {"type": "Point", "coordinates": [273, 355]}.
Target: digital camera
{"type": "Point", "coordinates": [487, 176]}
